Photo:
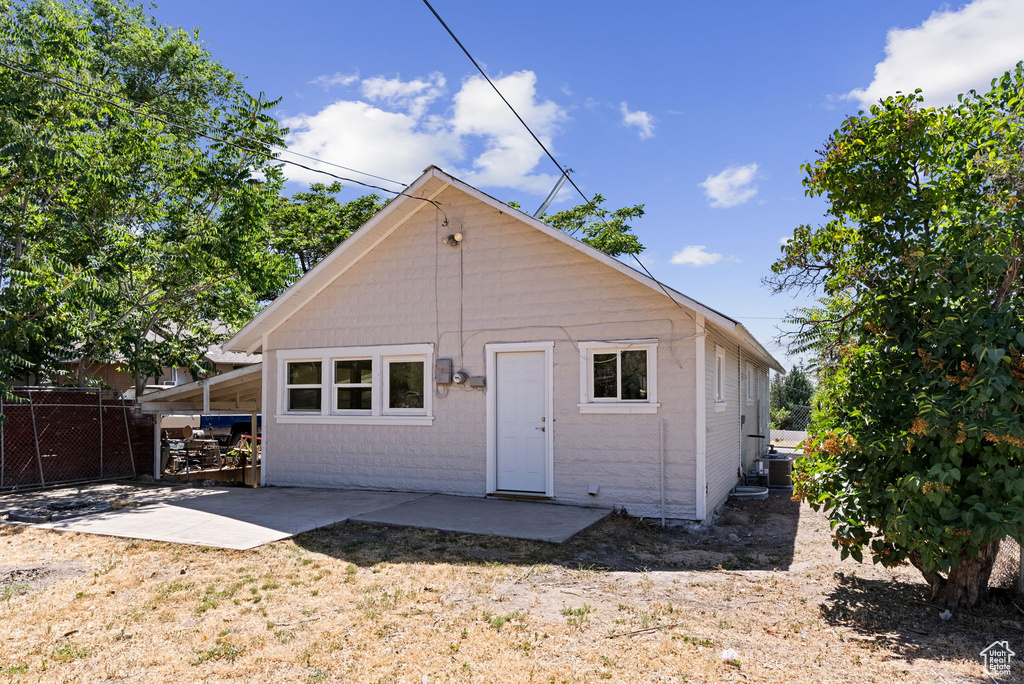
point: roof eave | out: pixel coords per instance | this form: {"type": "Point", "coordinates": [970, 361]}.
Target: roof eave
{"type": "Point", "coordinates": [250, 338]}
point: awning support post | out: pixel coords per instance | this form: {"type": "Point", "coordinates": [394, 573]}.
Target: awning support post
{"type": "Point", "coordinates": [253, 427]}
{"type": "Point", "coordinates": [157, 444]}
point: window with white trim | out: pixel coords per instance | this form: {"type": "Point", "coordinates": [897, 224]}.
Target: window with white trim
{"type": "Point", "coordinates": [303, 388]}
{"type": "Point", "coordinates": [353, 385]}
{"type": "Point", "coordinates": [719, 385]}
{"type": "Point", "coordinates": [357, 385]}
{"type": "Point", "coordinates": [618, 377]}
{"type": "Point", "coordinates": [404, 388]}
{"type": "Point", "coordinates": [751, 383]}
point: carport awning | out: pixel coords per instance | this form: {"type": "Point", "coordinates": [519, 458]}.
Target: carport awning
{"type": "Point", "coordinates": [237, 391]}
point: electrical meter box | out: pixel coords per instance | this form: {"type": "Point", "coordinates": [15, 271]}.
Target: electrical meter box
{"type": "Point", "coordinates": [443, 371]}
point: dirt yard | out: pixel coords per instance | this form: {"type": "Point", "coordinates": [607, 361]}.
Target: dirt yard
{"type": "Point", "coordinates": [623, 602]}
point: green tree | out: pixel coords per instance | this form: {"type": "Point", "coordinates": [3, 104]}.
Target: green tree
{"type": "Point", "coordinates": [790, 398]}
{"type": "Point", "coordinates": [916, 446]}
{"type": "Point", "coordinates": [120, 190]}
{"type": "Point", "coordinates": [600, 228]}
{"type": "Point", "coordinates": [309, 225]}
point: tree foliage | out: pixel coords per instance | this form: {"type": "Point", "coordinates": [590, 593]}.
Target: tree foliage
{"type": "Point", "coordinates": [307, 226]}
{"type": "Point", "coordinates": [790, 398]}
{"type": "Point", "coordinates": [598, 227]}
{"type": "Point", "coordinates": [917, 444]}
{"type": "Point", "coordinates": [123, 211]}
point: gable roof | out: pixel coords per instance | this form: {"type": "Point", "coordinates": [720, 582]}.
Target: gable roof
{"type": "Point", "coordinates": [418, 195]}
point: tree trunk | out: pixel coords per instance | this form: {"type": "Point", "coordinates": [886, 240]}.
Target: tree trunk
{"type": "Point", "coordinates": [140, 385]}
{"type": "Point", "coordinates": [82, 370]}
{"type": "Point", "coordinates": [966, 586]}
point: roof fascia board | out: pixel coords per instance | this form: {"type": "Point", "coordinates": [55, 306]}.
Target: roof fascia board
{"type": "Point", "coordinates": [759, 349]}
{"type": "Point", "coordinates": [691, 304]}
{"type": "Point", "coordinates": [236, 343]}
{"type": "Point", "coordinates": [341, 271]}
{"type": "Point", "coordinates": [731, 326]}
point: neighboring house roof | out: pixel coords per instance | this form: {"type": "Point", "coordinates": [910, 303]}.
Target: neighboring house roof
{"type": "Point", "coordinates": [427, 187]}
{"type": "Point", "coordinates": [215, 354]}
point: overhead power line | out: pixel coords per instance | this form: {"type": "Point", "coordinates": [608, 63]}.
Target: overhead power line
{"type": "Point", "coordinates": [487, 78]}
{"type": "Point", "coordinates": [542, 146]}
{"type": "Point", "coordinates": [62, 83]}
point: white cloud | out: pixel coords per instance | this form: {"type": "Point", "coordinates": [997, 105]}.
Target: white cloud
{"type": "Point", "coordinates": [643, 121]}
{"type": "Point", "coordinates": [361, 136]}
{"type": "Point", "coordinates": [784, 240]}
{"type": "Point", "coordinates": [695, 255]}
{"type": "Point", "coordinates": [510, 153]}
{"type": "Point", "coordinates": [395, 134]}
{"type": "Point", "coordinates": [951, 52]}
{"type": "Point", "coordinates": [731, 187]}
{"type": "Point", "coordinates": [328, 81]}
{"type": "Point", "coordinates": [413, 96]}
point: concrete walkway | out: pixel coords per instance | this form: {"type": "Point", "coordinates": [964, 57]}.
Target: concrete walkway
{"type": "Point", "coordinates": [518, 519]}
{"type": "Point", "coordinates": [237, 518]}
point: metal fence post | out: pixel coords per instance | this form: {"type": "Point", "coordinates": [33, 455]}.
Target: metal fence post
{"type": "Point", "coordinates": [128, 436]}
{"type": "Point", "coordinates": [35, 437]}
{"type": "Point", "coordinates": [99, 394]}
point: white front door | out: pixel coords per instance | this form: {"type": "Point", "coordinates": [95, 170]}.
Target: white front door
{"type": "Point", "coordinates": [521, 422]}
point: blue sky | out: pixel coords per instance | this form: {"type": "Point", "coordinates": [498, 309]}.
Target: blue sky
{"type": "Point", "coordinates": [703, 112]}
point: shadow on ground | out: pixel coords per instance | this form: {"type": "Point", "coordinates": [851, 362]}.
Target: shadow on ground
{"type": "Point", "coordinates": [748, 535]}
{"type": "Point", "coordinates": [896, 614]}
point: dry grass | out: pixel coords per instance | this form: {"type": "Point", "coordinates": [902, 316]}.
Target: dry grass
{"type": "Point", "coordinates": [621, 603]}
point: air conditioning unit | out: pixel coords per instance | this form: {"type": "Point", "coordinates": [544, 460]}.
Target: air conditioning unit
{"type": "Point", "coordinates": [777, 472]}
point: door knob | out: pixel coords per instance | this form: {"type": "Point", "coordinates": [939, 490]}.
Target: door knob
{"type": "Point", "coordinates": [541, 429]}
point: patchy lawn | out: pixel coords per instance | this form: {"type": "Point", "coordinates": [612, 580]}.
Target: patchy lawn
{"type": "Point", "coordinates": [623, 602]}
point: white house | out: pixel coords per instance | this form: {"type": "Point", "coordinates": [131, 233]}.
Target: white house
{"type": "Point", "coordinates": [584, 381]}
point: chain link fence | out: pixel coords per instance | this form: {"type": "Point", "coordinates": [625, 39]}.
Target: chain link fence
{"type": "Point", "coordinates": [1006, 571]}
{"type": "Point", "coordinates": [789, 427]}
{"type": "Point", "coordinates": [60, 435]}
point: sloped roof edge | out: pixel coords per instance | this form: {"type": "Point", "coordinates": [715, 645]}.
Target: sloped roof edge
{"type": "Point", "coordinates": [250, 338]}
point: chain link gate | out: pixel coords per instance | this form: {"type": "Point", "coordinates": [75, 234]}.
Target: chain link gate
{"type": "Point", "coordinates": [60, 435]}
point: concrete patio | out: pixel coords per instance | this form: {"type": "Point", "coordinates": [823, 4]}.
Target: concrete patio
{"type": "Point", "coordinates": [237, 518]}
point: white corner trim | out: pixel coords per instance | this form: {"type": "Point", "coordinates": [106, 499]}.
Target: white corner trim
{"type": "Point", "coordinates": [316, 419]}
{"type": "Point", "coordinates": [265, 403]}
{"type": "Point", "coordinates": [616, 407]}
{"type": "Point", "coordinates": [700, 431]}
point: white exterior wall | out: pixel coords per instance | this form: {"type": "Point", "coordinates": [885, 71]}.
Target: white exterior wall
{"type": "Point", "coordinates": [723, 424]}
{"type": "Point", "coordinates": [516, 285]}
{"type": "Point", "coordinates": [755, 412]}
